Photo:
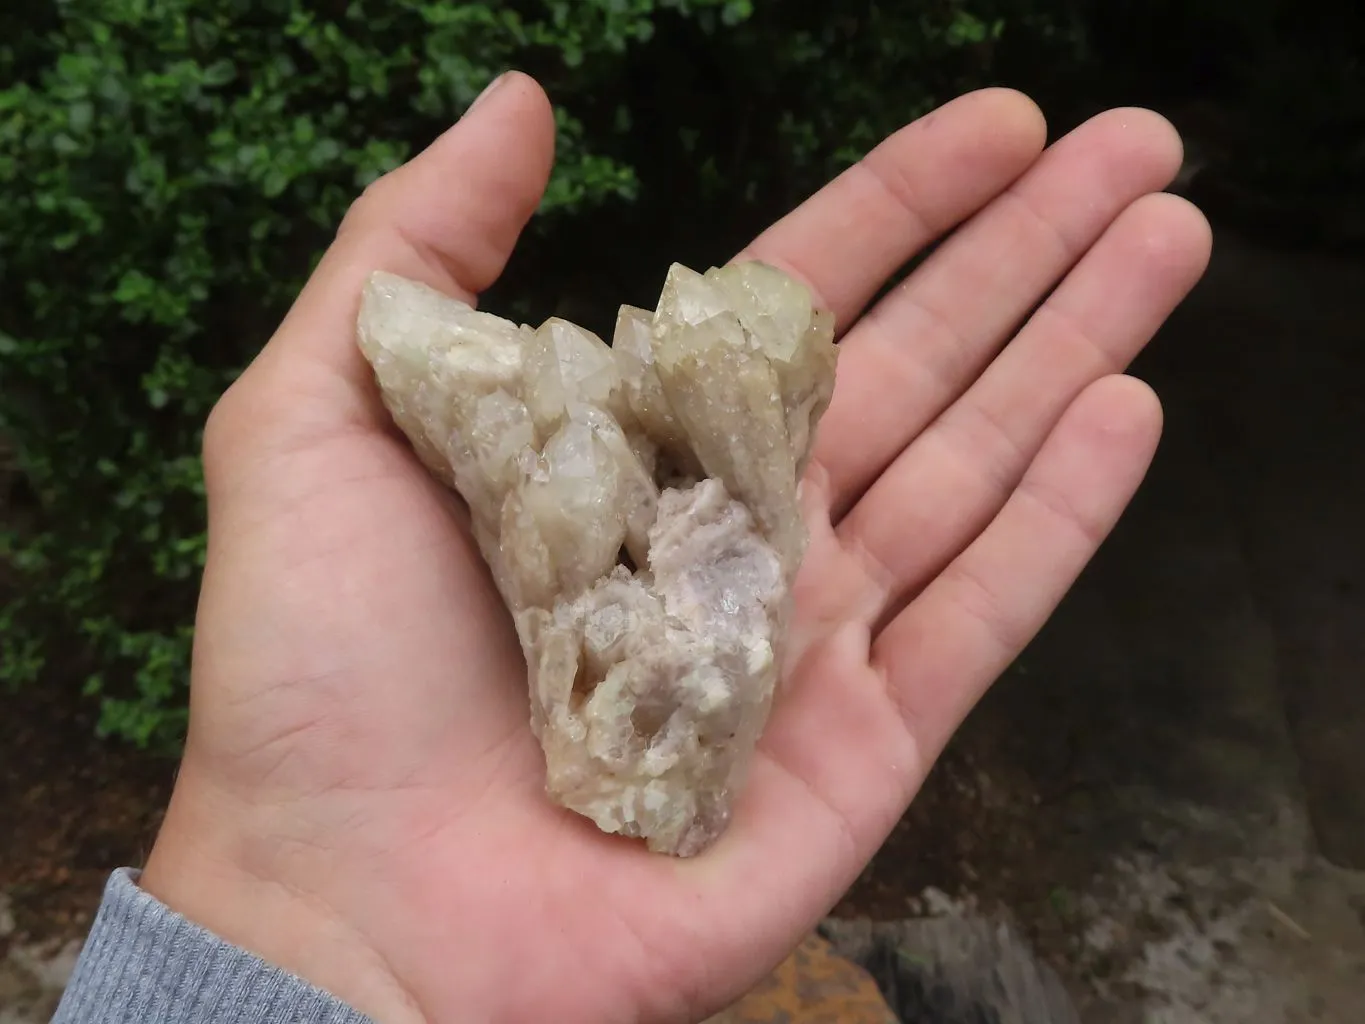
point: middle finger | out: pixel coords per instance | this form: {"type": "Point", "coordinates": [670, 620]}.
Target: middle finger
{"type": "Point", "coordinates": [920, 347]}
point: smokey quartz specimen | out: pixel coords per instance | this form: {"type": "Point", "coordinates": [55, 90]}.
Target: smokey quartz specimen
{"type": "Point", "coordinates": [637, 505]}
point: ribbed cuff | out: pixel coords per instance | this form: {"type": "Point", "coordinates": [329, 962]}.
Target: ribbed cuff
{"type": "Point", "coordinates": [144, 963]}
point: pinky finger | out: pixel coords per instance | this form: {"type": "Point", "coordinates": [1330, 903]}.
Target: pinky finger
{"type": "Point", "coordinates": [939, 656]}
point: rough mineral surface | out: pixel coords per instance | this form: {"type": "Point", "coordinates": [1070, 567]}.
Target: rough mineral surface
{"type": "Point", "coordinates": [637, 505]}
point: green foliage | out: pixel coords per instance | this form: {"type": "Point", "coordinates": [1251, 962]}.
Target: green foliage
{"type": "Point", "coordinates": [173, 167]}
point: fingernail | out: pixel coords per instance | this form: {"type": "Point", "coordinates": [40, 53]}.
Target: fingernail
{"type": "Point", "coordinates": [487, 91]}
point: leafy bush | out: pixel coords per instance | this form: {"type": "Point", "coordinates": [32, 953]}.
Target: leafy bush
{"type": "Point", "coordinates": [173, 167]}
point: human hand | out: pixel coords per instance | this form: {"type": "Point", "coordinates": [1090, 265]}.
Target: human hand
{"type": "Point", "coordinates": [361, 799]}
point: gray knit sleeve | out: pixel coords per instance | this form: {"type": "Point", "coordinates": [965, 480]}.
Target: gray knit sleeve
{"type": "Point", "coordinates": [144, 963]}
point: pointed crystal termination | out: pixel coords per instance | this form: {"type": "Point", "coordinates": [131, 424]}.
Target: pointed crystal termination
{"type": "Point", "coordinates": [637, 505]}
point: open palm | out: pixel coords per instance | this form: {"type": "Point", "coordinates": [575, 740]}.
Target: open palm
{"type": "Point", "coordinates": [361, 799]}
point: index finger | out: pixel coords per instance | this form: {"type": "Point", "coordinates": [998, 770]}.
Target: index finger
{"type": "Point", "coordinates": [850, 237]}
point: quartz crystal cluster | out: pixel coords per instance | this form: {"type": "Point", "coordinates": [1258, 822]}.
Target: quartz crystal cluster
{"type": "Point", "coordinates": [637, 505]}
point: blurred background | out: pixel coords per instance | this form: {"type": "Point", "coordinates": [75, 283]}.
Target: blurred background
{"type": "Point", "coordinates": [1166, 793]}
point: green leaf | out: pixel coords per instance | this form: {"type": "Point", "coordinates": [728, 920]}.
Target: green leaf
{"type": "Point", "coordinates": [220, 72]}
{"type": "Point", "coordinates": [736, 11]}
{"type": "Point", "coordinates": [79, 115]}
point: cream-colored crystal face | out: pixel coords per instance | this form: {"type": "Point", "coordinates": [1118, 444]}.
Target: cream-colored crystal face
{"type": "Point", "coordinates": [637, 505]}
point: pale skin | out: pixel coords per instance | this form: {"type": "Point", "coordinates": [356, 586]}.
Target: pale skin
{"type": "Point", "coordinates": [361, 799]}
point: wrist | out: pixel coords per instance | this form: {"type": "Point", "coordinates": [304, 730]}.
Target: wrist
{"type": "Point", "coordinates": [229, 872]}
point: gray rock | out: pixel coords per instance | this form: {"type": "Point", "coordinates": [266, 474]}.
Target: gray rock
{"type": "Point", "coordinates": [954, 970]}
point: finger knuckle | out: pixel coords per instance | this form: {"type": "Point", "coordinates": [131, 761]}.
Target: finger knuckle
{"type": "Point", "coordinates": [372, 196]}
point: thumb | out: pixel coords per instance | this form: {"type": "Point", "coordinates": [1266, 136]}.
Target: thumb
{"type": "Point", "coordinates": [449, 218]}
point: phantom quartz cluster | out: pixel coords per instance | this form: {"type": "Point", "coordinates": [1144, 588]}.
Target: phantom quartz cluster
{"type": "Point", "coordinates": [637, 505]}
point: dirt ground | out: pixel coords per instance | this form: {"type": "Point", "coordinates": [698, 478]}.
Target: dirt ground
{"type": "Point", "coordinates": [1166, 793]}
{"type": "Point", "coordinates": [71, 809]}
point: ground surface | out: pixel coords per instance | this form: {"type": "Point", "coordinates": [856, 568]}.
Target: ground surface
{"type": "Point", "coordinates": [1167, 793]}
{"type": "Point", "coordinates": [71, 809]}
